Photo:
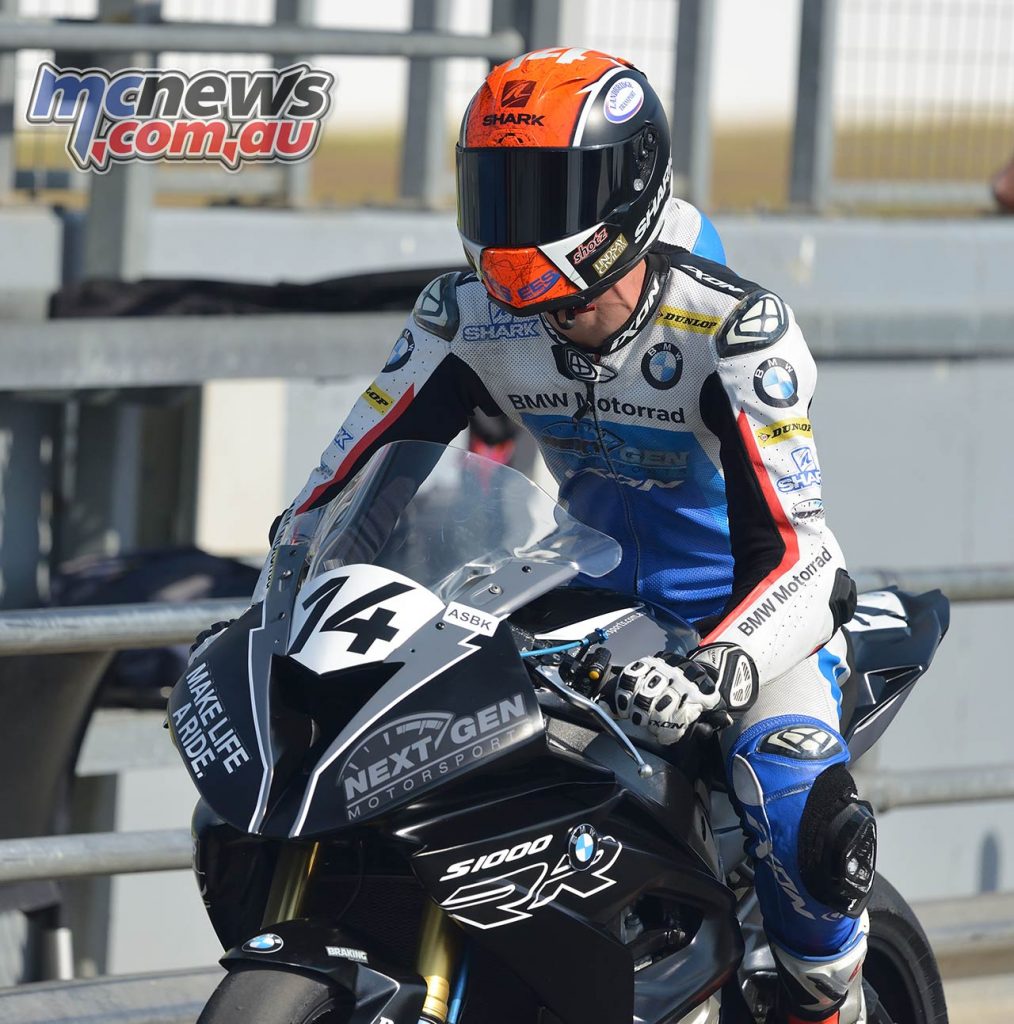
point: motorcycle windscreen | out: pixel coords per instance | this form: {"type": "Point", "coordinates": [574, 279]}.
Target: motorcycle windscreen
{"type": "Point", "coordinates": [444, 518]}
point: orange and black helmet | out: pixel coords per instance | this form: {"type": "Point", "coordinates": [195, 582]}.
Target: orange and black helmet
{"type": "Point", "coordinates": [563, 175]}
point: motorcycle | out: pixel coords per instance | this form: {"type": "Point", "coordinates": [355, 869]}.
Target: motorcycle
{"type": "Point", "coordinates": [413, 808]}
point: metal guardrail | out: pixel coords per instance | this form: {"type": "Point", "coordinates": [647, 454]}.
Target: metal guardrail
{"type": "Point", "coordinates": [116, 627]}
{"type": "Point", "coordinates": [960, 585]}
{"type": "Point", "coordinates": [111, 627]}
{"type": "Point", "coordinates": [887, 790]}
{"type": "Point", "coordinates": [98, 853]}
{"type": "Point", "coordinates": [104, 352]}
{"type": "Point", "coordinates": [111, 853]}
{"type": "Point", "coordinates": [970, 937]}
{"type": "Point", "coordinates": [282, 40]}
{"type": "Point", "coordinates": [119, 627]}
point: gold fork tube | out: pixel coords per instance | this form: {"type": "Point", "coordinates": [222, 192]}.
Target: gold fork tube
{"type": "Point", "coordinates": [439, 946]}
{"type": "Point", "coordinates": [288, 886]}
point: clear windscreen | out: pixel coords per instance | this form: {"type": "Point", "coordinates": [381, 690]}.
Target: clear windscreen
{"type": "Point", "coordinates": [445, 517]}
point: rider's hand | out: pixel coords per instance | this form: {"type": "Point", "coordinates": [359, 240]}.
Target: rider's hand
{"type": "Point", "coordinates": [666, 694]}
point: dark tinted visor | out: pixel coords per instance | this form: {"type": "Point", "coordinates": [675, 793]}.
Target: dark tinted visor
{"type": "Point", "coordinates": [514, 197]}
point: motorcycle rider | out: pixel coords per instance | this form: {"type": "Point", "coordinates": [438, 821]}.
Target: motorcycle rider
{"type": "Point", "coordinates": [670, 399]}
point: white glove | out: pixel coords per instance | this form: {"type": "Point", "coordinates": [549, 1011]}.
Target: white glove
{"type": "Point", "coordinates": [665, 699]}
{"type": "Point", "coordinates": [665, 695]}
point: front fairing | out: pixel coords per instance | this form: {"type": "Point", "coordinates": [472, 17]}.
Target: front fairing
{"type": "Point", "coordinates": [378, 663]}
{"type": "Point", "coordinates": [445, 702]}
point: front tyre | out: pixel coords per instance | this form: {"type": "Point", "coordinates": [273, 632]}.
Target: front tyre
{"type": "Point", "coordinates": [900, 966]}
{"type": "Point", "coordinates": [252, 994]}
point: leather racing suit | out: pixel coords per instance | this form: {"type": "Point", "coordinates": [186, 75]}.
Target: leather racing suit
{"type": "Point", "coordinates": [686, 438]}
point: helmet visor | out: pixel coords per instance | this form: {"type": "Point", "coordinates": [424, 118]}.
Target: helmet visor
{"type": "Point", "coordinates": [516, 196]}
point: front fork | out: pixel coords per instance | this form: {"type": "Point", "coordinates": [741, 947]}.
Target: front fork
{"type": "Point", "coordinates": [438, 961]}
{"type": "Point", "coordinates": [288, 885]}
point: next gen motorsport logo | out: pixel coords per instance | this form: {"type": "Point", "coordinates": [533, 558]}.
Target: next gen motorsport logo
{"type": "Point", "coordinates": [230, 117]}
{"type": "Point", "coordinates": [410, 753]}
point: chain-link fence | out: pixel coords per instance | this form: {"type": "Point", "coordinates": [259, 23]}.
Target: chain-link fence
{"type": "Point", "coordinates": [919, 109]}
{"type": "Point", "coordinates": [923, 99]}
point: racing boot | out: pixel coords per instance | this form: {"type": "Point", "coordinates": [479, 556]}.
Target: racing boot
{"type": "Point", "coordinates": [822, 990]}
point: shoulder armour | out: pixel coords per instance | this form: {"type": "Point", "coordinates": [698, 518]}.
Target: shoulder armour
{"type": "Point", "coordinates": [716, 276]}
{"type": "Point", "coordinates": [436, 309]}
{"type": "Point", "coordinates": [757, 322]}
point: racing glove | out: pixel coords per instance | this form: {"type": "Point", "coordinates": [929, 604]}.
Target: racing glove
{"type": "Point", "coordinates": [668, 693]}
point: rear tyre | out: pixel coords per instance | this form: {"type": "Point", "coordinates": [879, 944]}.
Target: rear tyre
{"type": "Point", "coordinates": [900, 966]}
{"type": "Point", "coordinates": [252, 994]}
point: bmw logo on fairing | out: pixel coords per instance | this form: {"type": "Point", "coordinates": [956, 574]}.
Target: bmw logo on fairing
{"type": "Point", "coordinates": [584, 844]}
{"type": "Point", "coordinates": [662, 365]}
{"type": "Point", "coordinates": [775, 383]}
{"type": "Point", "coordinates": [267, 943]}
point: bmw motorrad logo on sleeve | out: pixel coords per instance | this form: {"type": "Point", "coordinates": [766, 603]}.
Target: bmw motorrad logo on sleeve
{"type": "Point", "coordinates": [623, 100]}
{"type": "Point", "coordinates": [582, 847]}
{"type": "Point", "coordinates": [266, 943]}
{"type": "Point", "coordinates": [662, 365]}
{"type": "Point", "coordinates": [401, 353]}
{"type": "Point", "coordinates": [776, 383]}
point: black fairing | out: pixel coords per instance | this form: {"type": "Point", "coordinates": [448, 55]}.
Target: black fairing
{"type": "Point", "coordinates": [476, 713]}
{"type": "Point", "coordinates": [542, 847]}
{"type": "Point", "coordinates": [472, 715]}
{"type": "Point", "coordinates": [886, 664]}
{"type": "Point", "coordinates": [233, 871]}
{"type": "Point", "coordinates": [230, 787]}
{"type": "Point", "coordinates": [537, 908]}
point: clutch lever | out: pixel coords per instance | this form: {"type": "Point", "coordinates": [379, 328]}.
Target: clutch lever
{"type": "Point", "coordinates": [644, 770]}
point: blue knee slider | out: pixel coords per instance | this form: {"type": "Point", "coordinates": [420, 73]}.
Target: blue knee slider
{"type": "Point", "coordinates": [812, 839]}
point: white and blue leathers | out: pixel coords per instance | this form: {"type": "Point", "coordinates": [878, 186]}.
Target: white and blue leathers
{"type": "Point", "coordinates": [687, 438]}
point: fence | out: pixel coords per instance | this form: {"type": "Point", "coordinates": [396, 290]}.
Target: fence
{"type": "Point", "coordinates": [119, 202]}
{"type": "Point", "coordinates": [908, 103]}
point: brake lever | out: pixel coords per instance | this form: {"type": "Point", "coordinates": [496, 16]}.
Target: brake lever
{"type": "Point", "coordinates": [644, 770]}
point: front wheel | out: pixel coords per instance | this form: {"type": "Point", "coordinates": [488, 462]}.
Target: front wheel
{"type": "Point", "coordinates": [900, 966]}
{"type": "Point", "coordinates": [274, 995]}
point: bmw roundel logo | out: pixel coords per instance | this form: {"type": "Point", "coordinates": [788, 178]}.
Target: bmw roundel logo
{"type": "Point", "coordinates": [583, 846]}
{"type": "Point", "coordinates": [266, 943]}
{"type": "Point", "coordinates": [775, 383]}
{"type": "Point", "coordinates": [401, 353]}
{"type": "Point", "coordinates": [662, 365]}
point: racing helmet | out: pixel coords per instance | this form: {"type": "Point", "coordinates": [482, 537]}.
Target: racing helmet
{"type": "Point", "coordinates": [563, 174]}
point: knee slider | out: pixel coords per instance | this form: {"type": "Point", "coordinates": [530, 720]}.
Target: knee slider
{"type": "Point", "coordinates": [838, 843]}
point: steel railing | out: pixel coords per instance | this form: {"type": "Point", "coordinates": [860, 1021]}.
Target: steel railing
{"type": "Point", "coordinates": [105, 352]}
{"type": "Point", "coordinates": [282, 40]}
{"type": "Point", "coordinates": [118, 627]}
